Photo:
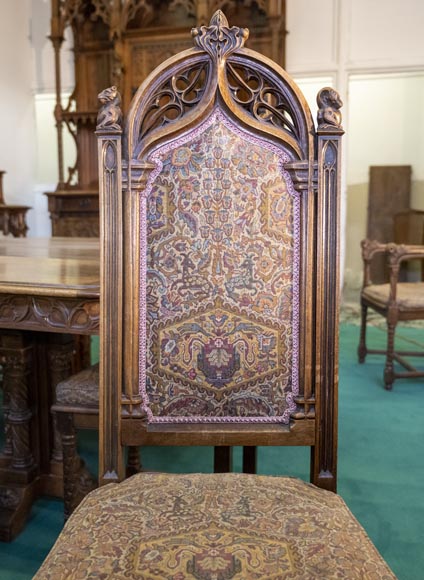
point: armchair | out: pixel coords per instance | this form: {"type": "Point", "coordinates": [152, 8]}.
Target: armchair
{"type": "Point", "coordinates": [396, 301]}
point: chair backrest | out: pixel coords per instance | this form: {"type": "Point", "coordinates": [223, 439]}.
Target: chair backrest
{"type": "Point", "coordinates": [219, 225]}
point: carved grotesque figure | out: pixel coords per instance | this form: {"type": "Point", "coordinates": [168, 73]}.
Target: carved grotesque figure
{"type": "Point", "coordinates": [110, 114]}
{"type": "Point", "coordinates": [329, 103]}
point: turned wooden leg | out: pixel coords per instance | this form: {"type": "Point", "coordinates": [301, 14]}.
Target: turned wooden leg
{"type": "Point", "coordinates": [60, 352]}
{"type": "Point", "coordinates": [389, 371]}
{"type": "Point", "coordinates": [133, 461]}
{"type": "Point", "coordinates": [77, 480]}
{"type": "Point", "coordinates": [65, 424]}
{"type": "Point", "coordinates": [223, 459]}
{"type": "Point", "coordinates": [250, 455]}
{"type": "Point", "coordinates": [362, 348]}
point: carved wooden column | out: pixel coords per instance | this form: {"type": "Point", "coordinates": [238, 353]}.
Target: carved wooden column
{"type": "Point", "coordinates": [324, 454]}
{"type": "Point", "coordinates": [18, 469]}
{"type": "Point", "coordinates": [109, 132]}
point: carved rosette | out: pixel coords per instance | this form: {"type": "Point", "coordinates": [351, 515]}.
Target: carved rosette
{"type": "Point", "coordinates": [218, 39]}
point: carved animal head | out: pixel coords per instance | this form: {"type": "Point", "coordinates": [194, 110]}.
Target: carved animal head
{"type": "Point", "coordinates": [328, 97]}
{"type": "Point", "coordinates": [108, 95]}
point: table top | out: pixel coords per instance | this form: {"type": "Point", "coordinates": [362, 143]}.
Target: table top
{"type": "Point", "coordinates": [62, 267]}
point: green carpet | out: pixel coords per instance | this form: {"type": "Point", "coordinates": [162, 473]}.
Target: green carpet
{"type": "Point", "coordinates": [381, 465]}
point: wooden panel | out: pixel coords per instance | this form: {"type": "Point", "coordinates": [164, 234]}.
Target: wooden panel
{"type": "Point", "coordinates": [389, 193]}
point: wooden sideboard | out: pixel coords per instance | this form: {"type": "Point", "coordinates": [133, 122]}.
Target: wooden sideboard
{"type": "Point", "coordinates": [74, 213]}
{"type": "Point", "coordinates": [12, 217]}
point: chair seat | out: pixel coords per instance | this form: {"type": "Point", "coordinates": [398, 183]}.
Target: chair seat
{"type": "Point", "coordinates": [81, 389]}
{"type": "Point", "coordinates": [409, 296]}
{"type": "Point", "coordinates": [207, 527]}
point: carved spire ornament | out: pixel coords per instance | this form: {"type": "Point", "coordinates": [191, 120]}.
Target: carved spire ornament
{"type": "Point", "coordinates": [110, 114]}
{"type": "Point", "coordinates": [329, 103]}
{"type": "Point", "coordinates": [218, 39]}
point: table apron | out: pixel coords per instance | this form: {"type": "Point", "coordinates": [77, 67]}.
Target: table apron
{"type": "Point", "coordinates": [50, 313]}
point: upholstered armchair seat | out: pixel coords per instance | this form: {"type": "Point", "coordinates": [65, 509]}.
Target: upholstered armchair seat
{"type": "Point", "coordinates": [81, 389]}
{"type": "Point", "coordinates": [205, 527]}
{"type": "Point", "coordinates": [409, 295]}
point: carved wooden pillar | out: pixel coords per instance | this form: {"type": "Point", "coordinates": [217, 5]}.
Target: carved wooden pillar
{"type": "Point", "coordinates": [109, 132]}
{"type": "Point", "coordinates": [324, 454]}
{"type": "Point", "coordinates": [57, 38]}
{"type": "Point", "coordinates": [17, 360]}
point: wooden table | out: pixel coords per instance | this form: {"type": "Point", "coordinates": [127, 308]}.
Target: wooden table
{"type": "Point", "coordinates": [49, 291]}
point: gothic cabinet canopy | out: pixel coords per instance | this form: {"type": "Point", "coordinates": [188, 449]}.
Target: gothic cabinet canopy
{"type": "Point", "coordinates": [119, 42]}
{"type": "Point", "coordinates": [219, 231]}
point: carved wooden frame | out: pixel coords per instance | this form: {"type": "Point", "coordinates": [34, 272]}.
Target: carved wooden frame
{"type": "Point", "coordinates": [262, 99]}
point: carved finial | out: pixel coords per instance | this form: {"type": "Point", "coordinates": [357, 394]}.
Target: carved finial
{"type": "Point", "coordinates": [218, 39]}
{"type": "Point", "coordinates": [110, 115]}
{"type": "Point", "coordinates": [329, 103]}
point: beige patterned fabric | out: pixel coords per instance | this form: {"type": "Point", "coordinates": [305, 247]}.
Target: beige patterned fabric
{"type": "Point", "coordinates": [410, 295]}
{"type": "Point", "coordinates": [213, 527]}
{"type": "Point", "coordinates": [222, 280]}
{"type": "Point", "coordinates": [81, 389]}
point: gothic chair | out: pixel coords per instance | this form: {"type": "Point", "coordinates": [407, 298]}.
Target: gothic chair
{"type": "Point", "coordinates": [396, 301]}
{"type": "Point", "coordinates": [219, 228]}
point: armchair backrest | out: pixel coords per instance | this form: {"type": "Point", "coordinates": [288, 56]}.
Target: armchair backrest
{"type": "Point", "coordinates": [220, 255]}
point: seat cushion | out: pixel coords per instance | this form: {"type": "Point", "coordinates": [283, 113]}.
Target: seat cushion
{"type": "Point", "coordinates": [206, 527]}
{"type": "Point", "coordinates": [81, 389]}
{"type": "Point", "coordinates": [410, 295]}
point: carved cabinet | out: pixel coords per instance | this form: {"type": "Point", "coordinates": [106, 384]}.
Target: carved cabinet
{"type": "Point", "coordinates": [119, 42]}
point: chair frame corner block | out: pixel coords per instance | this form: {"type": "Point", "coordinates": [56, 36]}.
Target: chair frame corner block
{"type": "Point", "coordinates": [264, 102]}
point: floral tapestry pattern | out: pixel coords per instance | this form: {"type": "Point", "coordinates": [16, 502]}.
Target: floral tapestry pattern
{"type": "Point", "coordinates": [213, 527]}
{"type": "Point", "coordinates": [222, 280]}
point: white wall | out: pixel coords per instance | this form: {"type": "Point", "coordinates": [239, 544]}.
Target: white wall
{"type": "Point", "coordinates": [374, 54]}
{"type": "Point", "coordinates": [17, 144]}
{"type": "Point", "coordinates": [331, 42]}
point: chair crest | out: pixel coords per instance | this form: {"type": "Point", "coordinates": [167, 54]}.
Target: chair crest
{"type": "Point", "coordinates": [218, 39]}
{"type": "Point", "coordinates": [219, 69]}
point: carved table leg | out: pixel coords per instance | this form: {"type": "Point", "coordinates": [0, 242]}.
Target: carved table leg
{"type": "Point", "coordinates": [18, 469]}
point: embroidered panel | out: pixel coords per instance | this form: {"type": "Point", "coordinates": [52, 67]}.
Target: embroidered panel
{"type": "Point", "coordinates": [222, 255]}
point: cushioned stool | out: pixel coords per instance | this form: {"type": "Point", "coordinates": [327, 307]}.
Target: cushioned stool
{"type": "Point", "coordinates": [213, 527]}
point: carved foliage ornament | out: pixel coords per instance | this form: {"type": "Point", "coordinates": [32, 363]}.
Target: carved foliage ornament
{"type": "Point", "coordinates": [218, 39]}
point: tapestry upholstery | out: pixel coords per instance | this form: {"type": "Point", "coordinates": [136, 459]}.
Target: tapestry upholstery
{"type": "Point", "coordinates": [409, 295]}
{"type": "Point", "coordinates": [222, 247]}
{"type": "Point", "coordinates": [81, 389]}
{"type": "Point", "coordinates": [213, 527]}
